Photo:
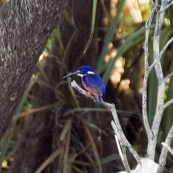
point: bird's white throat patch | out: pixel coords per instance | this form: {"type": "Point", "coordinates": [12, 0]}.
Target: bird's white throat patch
{"type": "Point", "coordinates": [90, 72]}
{"type": "Point", "coordinates": [80, 75]}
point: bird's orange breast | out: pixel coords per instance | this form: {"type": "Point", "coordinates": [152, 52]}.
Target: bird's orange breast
{"type": "Point", "coordinates": [89, 89]}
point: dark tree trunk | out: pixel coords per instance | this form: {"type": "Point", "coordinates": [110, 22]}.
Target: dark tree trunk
{"type": "Point", "coordinates": [42, 132]}
{"type": "Point", "coordinates": [24, 28]}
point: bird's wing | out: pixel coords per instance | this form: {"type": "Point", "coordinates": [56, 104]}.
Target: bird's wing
{"type": "Point", "coordinates": [95, 83]}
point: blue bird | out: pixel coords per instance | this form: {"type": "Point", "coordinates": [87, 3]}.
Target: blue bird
{"type": "Point", "coordinates": [91, 81]}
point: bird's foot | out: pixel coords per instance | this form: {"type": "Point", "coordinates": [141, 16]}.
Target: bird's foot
{"type": "Point", "coordinates": [88, 94]}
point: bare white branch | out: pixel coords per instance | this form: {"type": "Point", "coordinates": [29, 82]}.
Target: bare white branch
{"type": "Point", "coordinates": [123, 140]}
{"type": "Point", "coordinates": [171, 3]}
{"type": "Point", "coordinates": [160, 106]}
{"type": "Point", "coordinates": [146, 75]}
{"type": "Point", "coordinates": [152, 2]}
{"type": "Point", "coordinates": [165, 47]}
{"type": "Point", "coordinates": [160, 77]}
{"type": "Point", "coordinates": [167, 147]}
{"type": "Point", "coordinates": [119, 148]}
{"type": "Point", "coordinates": [151, 66]}
{"type": "Point", "coordinates": [167, 103]}
{"type": "Point", "coordinates": [169, 75]}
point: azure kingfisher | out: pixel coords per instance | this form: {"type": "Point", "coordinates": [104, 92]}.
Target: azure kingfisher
{"type": "Point", "coordinates": [91, 81]}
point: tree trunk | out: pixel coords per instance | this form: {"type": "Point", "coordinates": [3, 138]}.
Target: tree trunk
{"type": "Point", "coordinates": [41, 136]}
{"type": "Point", "coordinates": [24, 28]}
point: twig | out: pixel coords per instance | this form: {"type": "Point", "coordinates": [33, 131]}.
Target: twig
{"type": "Point", "coordinates": [152, 2]}
{"type": "Point", "coordinates": [168, 76]}
{"type": "Point", "coordinates": [151, 66]}
{"type": "Point", "coordinates": [111, 107]}
{"type": "Point", "coordinates": [170, 101]}
{"type": "Point", "coordinates": [167, 147]}
{"type": "Point", "coordinates": [167, 103]}
{"type": "Point", "coordinates": [165, 47]}
{"type": "Point", "coordinates": [167, 6]}
{"type": "Point", "coordinates": [163, 155]}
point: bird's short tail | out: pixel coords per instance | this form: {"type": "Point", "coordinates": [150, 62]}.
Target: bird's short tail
{"type": "Point", "coordinates": [99, 99]}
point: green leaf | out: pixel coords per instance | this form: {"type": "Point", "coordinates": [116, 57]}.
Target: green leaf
{"type": "Point", "coordinates": [94, 11]}
{"type": "Point", "coordinates": [152, 88]}
{"type": "Point", "coordinates": [42, 71]}
{"type": "Point", "coordinates": [109, 35]}
{"type": "Point", "coordinates": [58, 35]}
{"type": "Point", "coordinates": [131, 41]}
{"type": "Point", "coordinates": [66, 128]}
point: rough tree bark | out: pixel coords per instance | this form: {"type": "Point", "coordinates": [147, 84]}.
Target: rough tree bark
{"type": "Point", "coordinates": [24, 28]}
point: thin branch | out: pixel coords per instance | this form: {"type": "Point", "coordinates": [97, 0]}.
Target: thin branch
{"type": "Point", "coordinates": [118, 146]}
{"type": "Point", "coordinates": [167, 103]}
{"type": "Point", "coordinates": [151, 66]}
{"type": "Point", "coordinates": [152, 2]}
{"type": "Point", "coordinates": [167, 147]}
{"type": "Point", "coordinates": [163, 155]}
{"type": "Point", "coordinates": [168, 76]}
{"type": "Point", "coordinates": [165, 47]}
{"type": "Point", "coordinates": [111, 107]}
{"type": "Point", "coordinates": [171, 3]}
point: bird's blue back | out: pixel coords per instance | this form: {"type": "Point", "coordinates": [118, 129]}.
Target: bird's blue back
{"type": "Point", "coordinates": [95, 82]}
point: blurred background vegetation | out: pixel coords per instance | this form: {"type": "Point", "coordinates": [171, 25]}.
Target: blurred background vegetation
{"type": "Point", "coordinates": [55, 129]}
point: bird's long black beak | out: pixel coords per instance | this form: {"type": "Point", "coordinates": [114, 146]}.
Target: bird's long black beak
{"type": "Point", "coordinates": [71, 74]}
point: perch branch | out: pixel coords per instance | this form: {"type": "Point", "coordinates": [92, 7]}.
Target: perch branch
{"type": "Point", "coordinates": [111, 107]}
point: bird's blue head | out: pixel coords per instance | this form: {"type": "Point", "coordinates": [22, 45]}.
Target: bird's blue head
{"type": "Point", "coordinates": [82, 71]}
